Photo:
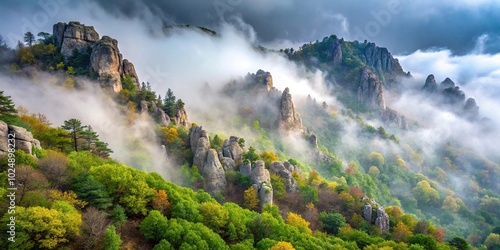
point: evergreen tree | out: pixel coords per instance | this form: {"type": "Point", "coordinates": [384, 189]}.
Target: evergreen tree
{"type": "Point", "coordinates": [8, 111]}
{"type": "Point", "coordinates": [76, 130]}
{"type": "Point", "coordinates": [112, 240]}
{"type": "Point", "coordinates": [29, 38]}
{"type": "Point", "coordinates": [169, 103]}
{"type": "Point", "coordinates": [92, 191]}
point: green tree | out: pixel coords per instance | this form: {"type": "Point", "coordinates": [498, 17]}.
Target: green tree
{"type": "Point", "coordinates": [251, 155]}
{"type": "Point", "coordinates": [425, 194]}
{"type": "Point", "coordinates": [111, 239]}
{"type": "Point", "coordinates": [92, 191]}
{"type": "Point", "coordinates": [154, 225]}
{"type": "Point", "coordinates": [214, 216]}
{"type": "Point", "coordinates": [251, 199]}
{"type": "Point", "coordinates": [331, 222]}
{"type": "Point", "coordinates": [29, 38]}
{"type": "Point", "coordinates": [118, 216]}
{"type": "Point", "coordinates": [169, 103]}
{"type": "Point", "coordinates": [459, 243]}
{"type": "Point", "coordinates": [163, 245]}
{"type": "Point", "coordinates": [44, 37]}
{"type": "Point", "coordinates": [8, 111]}
{"type": "Point", "coordinates": [427, 242]}
{"type": "Point", "coordinates": [492, 241]}
{"type": "Point", "coordinates": [76, 129]}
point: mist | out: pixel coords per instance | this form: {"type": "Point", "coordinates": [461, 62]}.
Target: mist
{"type": "Point", "coordinates": [132, 139]}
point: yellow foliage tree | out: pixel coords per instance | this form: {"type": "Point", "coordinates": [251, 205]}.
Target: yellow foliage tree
{"type": "Point", "coordinates": [268, 157]}
{"type": "Point", "coordinates": [68, 196]}
{"type": "Point", "coordinates": [401, 232]}
{"type": "Point", "coordinates": [297, 221]}
{"type": "Point", "coordinates": [282, 245]}
{"type": "Point", "coordinates": [251, 200]}
{"type": "Point", "coordinates": [171, 135]}
{"type": "Point", "coordinates": [160, 202]}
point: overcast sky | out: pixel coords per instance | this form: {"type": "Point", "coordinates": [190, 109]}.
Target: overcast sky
{"type": "Point", "coordinates": [402, 26]}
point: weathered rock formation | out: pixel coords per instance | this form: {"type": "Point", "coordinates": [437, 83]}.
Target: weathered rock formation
{"type": "Point", "coordinates": [370, 90]}
{"type": "Point", "coordinates": [207, 161]}
{"type": "Point", "coordinates": [105, 58]}
{"type": "Point", "coordinates": [279, 169]}
{"type": "Point", "coordinates": [375, 214]}
{"type": "Point", "coordinates": [23, 139]}
{"type": "Point", "coordinates": [289, 118]}
{"type": "Point", "coordinates": [160, 116]}
{"type": "Point", "coordinates": [451, 97]}
{"type": "Point", "coordinates": [181, 119]}
{"type": "Point", "coordinates": [106, 61]}
{"type": "Point", "coordinates": [213, 173]}
{"type": "Point", "coordinates": [231, 149]}
{"type": "Point", "coordinates": [262, 183]}
{"type": "Point", "coordinates": [391, 116]}
{"type": "Point", "coordinates": [73, 35]}
{"type": "Point", "coordinates": [335, 52]}
{"type": "Point", "coordinates": [382, 60]}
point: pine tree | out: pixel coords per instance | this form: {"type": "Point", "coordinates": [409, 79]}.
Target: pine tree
{"type": "Point", "coordinates": [76, 130]}
{"type": "Point", "coordinates": [8, 111]}
{"type": "Point", "coordinates": [169, 103]}
{"type": "Point", "coordinates": [29, 38]}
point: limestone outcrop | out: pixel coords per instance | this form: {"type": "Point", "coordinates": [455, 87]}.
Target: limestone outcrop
{"type": "Point", "coordinates": [232, 150]}
{"type": "Point", "coordinates": [370, 90]}
{"type": "Point", "coordinates": [73, 35]}
{"type": "Point", "coordinates": [280, 170]}
{"type": "Point", "coordinates": [289, 117]}
{"type": "Point", "coordinates": [106, 61]}
{"type": "Point", "coordinates": [207, 161]}
{"type": "Point", "coordinates": [375, 214]}
{"type": "Point", "coordinates": [23, 139]}
{"type": "Point", "coordinates": [262, 183]}
{"type": "Point", "coordinates": [213, 173]}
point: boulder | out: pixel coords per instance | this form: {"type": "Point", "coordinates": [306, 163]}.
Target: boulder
{"type": "Point", "coordinates": [73, 35]}
{"type": "Point", "coordinates": [370, 90]}
{"type": "Point", "coordinates": [24, 139]}
{"type": "Point", "coordinates": [289, 117]}
{"type": "Point", "coordinates": [280, 170]}
{"type": "Point", "coordinates": [231, 149]}
{"type": "Point", "coordinates": [228, 163]}
{"type": "Point", "coordinates": [291, 167]}
{"type": "Point", "coordinates": [213, 173]}
{"type": "Point", "coordinates": [106, 61]}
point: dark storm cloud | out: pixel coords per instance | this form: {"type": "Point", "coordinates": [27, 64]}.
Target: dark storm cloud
{"type": "Point", "coordinates": [403, 26]}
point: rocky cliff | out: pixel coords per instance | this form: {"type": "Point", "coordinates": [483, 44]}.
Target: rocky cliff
{"type": "Point", "coordinates": [73, 35]}
{"type": "Point", "coordinates": [449, 96]}
{"type": "Point", "coordinates": [207, 161]}
{"type": "Point", "coordinates": [262, 183]}
{"type": "Point", "coordinates": [375, 214]}
{"type": "Point", "coordinates": [23, 139]}
{"type": "Point", "coordinates": [370, 90]}
{"type": "Point", "coordinates": [105, 58]}
{"type": "Point", "coordinates": [382, 61]}
{"type": "Point", "coordinates": [289, 118]}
